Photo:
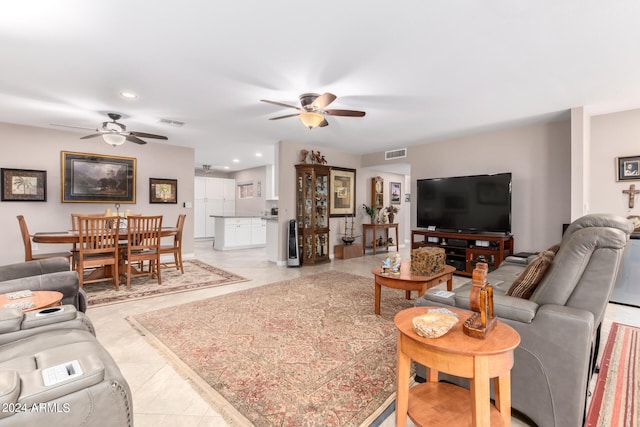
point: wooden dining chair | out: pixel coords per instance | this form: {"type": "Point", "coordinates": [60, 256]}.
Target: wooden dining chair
{"type": "Point", "coordinates": [74, 227]}
{"type": "Point", "coordinates": [143, 244]}
{"type": "Point", "coordinates": [98, 238]}
{"type": "Point", "coordinates": [28, 251]}
{"type": "Point", "coordinates": [176, 248]}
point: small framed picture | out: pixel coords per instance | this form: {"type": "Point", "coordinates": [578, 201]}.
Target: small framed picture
{"type": "Point", "coordinates": [24, 185]}
{"type": "Point", "coordinates": [394, 191]}
{"type": "Point", "coordinates": [163, 190]}
{"type": "Point", "coordinates": [628, 168]}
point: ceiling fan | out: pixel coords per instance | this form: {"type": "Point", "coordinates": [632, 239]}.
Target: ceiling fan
{"type": "Point", "coordinates": [313, 109]}
{"type": "Point", "coordinates": [115, 133]}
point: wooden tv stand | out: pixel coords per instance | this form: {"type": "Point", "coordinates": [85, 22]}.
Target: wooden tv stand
{"type": "Point", "coordinates": [464, 250]}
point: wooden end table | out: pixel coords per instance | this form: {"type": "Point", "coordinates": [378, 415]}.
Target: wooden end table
{"type": "Point", "coordinates": [480, 360]}
{"type": "Point", "coordinates": [409, 282]}
{"type": "Point", "coordinates": [40, 299]}
{"type": "Point", "coordinates": [375, 227]}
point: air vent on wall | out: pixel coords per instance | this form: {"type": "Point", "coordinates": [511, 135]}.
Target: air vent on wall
{"type": "Point", "coordinates": [395, 154]}
{"type": "Point", "coordinates": [170, 122]}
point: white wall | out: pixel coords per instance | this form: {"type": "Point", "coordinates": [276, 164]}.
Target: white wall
{"type": "Point", "coordinates": [538, 156]}
{"type": "Point", "coordinates": [256, 204]}
{"type": "Point", "coordinates": [612, 135]}
{"type": "Point", "coordinates": [25, 147]}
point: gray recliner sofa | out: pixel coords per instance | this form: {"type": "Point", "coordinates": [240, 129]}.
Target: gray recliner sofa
{"type": "Point", "coordinates": [50, 274]}
{"type": "Point", "coordinates": [560, 324]}
{"type": "Point", "coordinates": [53, 370]}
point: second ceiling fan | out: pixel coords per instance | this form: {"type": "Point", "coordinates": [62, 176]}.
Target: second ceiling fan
{"type": "Point", "coordinates": [313, 109]}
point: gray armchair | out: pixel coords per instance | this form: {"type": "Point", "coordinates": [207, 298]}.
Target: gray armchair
{"type": "Point", "coordinates": [560, 324]}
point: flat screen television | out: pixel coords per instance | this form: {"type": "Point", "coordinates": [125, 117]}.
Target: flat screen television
{"type": "Point", "coordinates": [478, 203]}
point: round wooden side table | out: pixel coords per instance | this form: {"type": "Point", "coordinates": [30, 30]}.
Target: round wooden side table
{"type": "Point", "coordinates": [480, 360]}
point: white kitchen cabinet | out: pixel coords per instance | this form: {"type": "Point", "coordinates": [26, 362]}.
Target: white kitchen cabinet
{"type": "Point", "coordinates": [239, 233]}
{"type": "Point", "coordinates": [213, 196]}
{"type": "Point", "coordinates": [258, 231]}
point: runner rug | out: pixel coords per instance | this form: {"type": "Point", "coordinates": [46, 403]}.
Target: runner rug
{"type": "Point", "coordinates": [302, 352]}
{"type": "Point", "coordinates": [616, 399]}
{"type": "Point", "coordinates": [197, 274]}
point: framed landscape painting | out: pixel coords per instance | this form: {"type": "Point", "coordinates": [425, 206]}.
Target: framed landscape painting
{"type": "Point", "coordinates": [163, 190]}
{"type": "Point", "coordinates": [24, 185]}
{"type": "Point", "coordinates": [343, 192]}
{"type": "Point", "coordinates": [98, 178]}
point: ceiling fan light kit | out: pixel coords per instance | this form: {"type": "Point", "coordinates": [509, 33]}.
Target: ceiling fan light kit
{"type": "Point", "coordinates": [312, 110]}
{"type": "Point", "coordinates": [311, 120]}
{"type": "Point", "coordinates": [115, 133]}
{"type": "Point", "coordinates": [114, 139]}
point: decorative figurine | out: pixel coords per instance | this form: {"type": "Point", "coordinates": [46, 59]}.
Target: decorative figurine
{"type": "Point", "coordinates": [395, 264]}
{"type": "Point", "coordinates": [480, 323]}
{"type": "Point", "coordinates": [303, 156]}
{"type": "Point", "coordinates": [386, 266]}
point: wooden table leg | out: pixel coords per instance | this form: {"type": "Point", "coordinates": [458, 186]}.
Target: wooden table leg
{"type": "Point", "coordinates": [450, 281]}
{"type": "Point", "coordinates": [377, 286]}
{"type": "Point", "coordinates": [402, 390]}
{"type": "Point", "coordinates": [480, 393]}
{"type": "Point", "coordinates": [407, 295]}
{"type": "Point", "coordinates": [502, 395]}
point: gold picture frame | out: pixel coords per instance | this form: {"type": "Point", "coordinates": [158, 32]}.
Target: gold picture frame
{"type": "Point", "coordinates": [342, 182]}
{"type": "Point", "coordinates": [96, 178]}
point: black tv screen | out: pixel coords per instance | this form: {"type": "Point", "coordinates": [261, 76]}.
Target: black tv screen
{"type": "Point", "coordinates": [479, 203]}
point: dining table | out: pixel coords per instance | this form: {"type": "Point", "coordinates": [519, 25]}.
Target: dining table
{"type": "Point", "coordinates": [73, 237]}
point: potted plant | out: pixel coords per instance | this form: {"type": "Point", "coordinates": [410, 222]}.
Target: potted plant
{"type": "Point", "coordinates": [391, 212]}
{"type": "Point", "coordinates": [372, 211]}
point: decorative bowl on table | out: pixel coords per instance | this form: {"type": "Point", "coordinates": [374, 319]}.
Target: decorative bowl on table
{"type": "Point", "coordinates": [434, 323]}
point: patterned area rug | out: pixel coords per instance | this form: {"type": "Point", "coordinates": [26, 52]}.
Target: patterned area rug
{"type": "Point", "coordinates": [616, 399]}
{"type": "Point", "coordinates": [303, 352]}
{"type": "Point", "coordinates": [197, 274]}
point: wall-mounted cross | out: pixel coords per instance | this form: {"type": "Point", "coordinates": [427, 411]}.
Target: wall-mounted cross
{"type": "Point", "coordinates": [632, 194]}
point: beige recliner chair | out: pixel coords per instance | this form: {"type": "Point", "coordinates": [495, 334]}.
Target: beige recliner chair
{"type": "Point", "coordinates": [53, 370]}
{"type": "Point", "coordinates": [560, 324]}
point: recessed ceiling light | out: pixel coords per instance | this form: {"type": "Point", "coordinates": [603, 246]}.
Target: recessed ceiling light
{"type": "Point", "coordinates": [226, 167]}
{"type": "Point", "coordinates": [236, 161]}
{"type": "Point", "coordinates": [258, 154]}
{"type": "Point", "coordinates": [129, 95]}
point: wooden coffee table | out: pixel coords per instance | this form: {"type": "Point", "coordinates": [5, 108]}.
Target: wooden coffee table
{"type": "Point", "coordinates": [40, 299]}
{"type": "Point", "coordinates": [482, 361]}
{"type": "Point", "coordinates": [410, 282]}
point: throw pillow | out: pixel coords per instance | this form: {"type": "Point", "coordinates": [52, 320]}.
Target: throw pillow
{"type": "Point", "coordinates": [555, 248]}
{"type": "Point", "coordinates": [528, 280]}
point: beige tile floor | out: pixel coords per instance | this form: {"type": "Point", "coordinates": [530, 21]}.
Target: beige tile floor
{"type": "Point", "coordinates": [160, 396]}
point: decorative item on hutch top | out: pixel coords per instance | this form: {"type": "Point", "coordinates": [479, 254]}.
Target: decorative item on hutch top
{"type": "Point", "coordinates": [482, 321]}
{"type": "Point", "coordinates": [98, 178]}
{"type": "Point", "coordinates": [24, 185]}
{"type": "Point", "coordinates": [163, 190]}
{"type": "Point", "coordinates": [343, 191]}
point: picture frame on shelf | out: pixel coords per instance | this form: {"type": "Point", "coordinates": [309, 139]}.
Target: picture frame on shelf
{"type": "Point", "coordinates": [628, 168]}
{"type": "Point", "coordinates": [395, 192]}
{"type": "Point", "coordinates": [23, 185]}
{"type": "Point", "coordinates": [163, 190]}
{"type": "Point", "coordinates": [342, 182]}
{"type": "Point", "coordinates": [97, 178]}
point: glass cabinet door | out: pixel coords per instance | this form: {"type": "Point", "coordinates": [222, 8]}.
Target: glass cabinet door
{"type": "Point", "coordinates": [322, 208]}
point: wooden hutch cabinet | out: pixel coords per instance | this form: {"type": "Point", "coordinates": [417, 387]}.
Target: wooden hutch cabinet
{"type": "Point", "coordinates": [312, 212]}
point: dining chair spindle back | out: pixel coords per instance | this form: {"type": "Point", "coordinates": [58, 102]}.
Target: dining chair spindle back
{"type": "Point", "coordinates": [143, 244]}
{"type": "Point", "coordinates": [176, 248]}
{"type": "Point", "coordinates": [98, 238]}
